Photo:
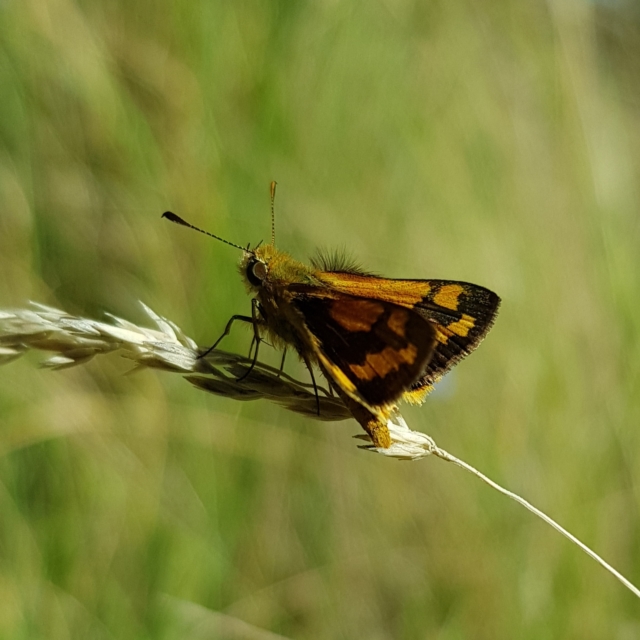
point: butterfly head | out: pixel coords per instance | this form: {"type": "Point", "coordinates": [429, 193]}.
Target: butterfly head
{"type": "Point", "coordinates": [254, 266]}
{"type": "Point", "coordinates": [265, 267]}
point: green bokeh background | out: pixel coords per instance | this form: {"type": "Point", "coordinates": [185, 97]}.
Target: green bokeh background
{"type": "Point", "coordinates": [496, 142]}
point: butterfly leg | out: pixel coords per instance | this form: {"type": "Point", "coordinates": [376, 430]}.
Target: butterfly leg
{"type": "Point", "coordinates": [313, 380]}
{"type": "Point", "coordinates": [284, 355]}
{"type": "Point", "coordinates": [226, 332]}
{"type": "Point", "coordinates": [255, 320]}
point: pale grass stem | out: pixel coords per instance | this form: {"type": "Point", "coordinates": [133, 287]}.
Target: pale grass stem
{"type": "Point", "coordinates": [75, 340]}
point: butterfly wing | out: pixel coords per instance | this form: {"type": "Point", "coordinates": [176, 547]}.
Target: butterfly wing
{"type": "Point", "coordinates": [374, 350]}
{"type": "Point", "coordinates": [460, 313]}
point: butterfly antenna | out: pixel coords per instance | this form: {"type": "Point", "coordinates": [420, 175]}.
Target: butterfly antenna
{"type": "Point", "coordinates": [172, 217]}
{"type": "Point", "coordinates": [273, 213]}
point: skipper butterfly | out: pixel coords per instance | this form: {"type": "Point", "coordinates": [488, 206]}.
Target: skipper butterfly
{"type": "Point", "coordinates": [377, 340]}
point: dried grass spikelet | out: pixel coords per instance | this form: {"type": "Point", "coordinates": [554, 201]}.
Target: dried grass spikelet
{"type": "Point", "coordinates": [75, 340]}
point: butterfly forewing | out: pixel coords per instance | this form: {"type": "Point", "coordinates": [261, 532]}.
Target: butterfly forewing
{"type": "Point", "coordinates": [373, 349]}
{"type": "Point", "coordinates": [460, 314]}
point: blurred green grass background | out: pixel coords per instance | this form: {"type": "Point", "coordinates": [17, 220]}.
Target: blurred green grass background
{"type": "Point", "coordinates": [495, 142]}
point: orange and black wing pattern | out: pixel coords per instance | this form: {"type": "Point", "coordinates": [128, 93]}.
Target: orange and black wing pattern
{"type": "Point", "coordinates": [374, 350]}
{"type": "Point", "coordinates": [460, 314]}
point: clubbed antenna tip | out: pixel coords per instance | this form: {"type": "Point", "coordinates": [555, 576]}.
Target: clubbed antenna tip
{"type": "Point", "coordinates": [169, 215]}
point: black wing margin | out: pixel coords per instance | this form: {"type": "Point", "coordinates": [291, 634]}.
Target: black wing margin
{"type": "Point", "coordinates": [462, 314]}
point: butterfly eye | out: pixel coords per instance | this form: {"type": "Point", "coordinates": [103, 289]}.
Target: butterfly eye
{"type": "Point", "coordinates": [256, 272]}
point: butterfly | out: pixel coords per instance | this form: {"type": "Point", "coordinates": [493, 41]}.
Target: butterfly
{"type": "Point", "coordinates": [377, 340]}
